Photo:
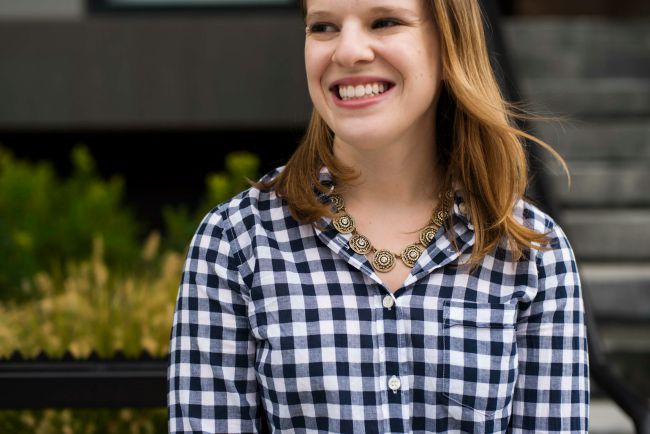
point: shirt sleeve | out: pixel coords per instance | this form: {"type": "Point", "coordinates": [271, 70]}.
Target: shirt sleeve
{"type": "Point", "coordinates": [212, 385]}
{"type": "Point", "coordinates": [552, 389]}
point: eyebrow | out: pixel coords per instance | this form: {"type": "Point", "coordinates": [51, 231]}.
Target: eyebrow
{"type": "Point", "coordinates": [377, 10]}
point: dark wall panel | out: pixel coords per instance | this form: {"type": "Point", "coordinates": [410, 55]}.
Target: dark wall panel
{"type": "Point", "coordinates": [209, 70]}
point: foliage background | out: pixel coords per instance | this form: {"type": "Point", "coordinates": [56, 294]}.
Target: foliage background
{"type": "Point", "coordinates": [81, 274]}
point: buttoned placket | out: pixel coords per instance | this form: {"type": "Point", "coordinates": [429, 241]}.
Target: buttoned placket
{"type": "Point", "coordinates": [394, 363]}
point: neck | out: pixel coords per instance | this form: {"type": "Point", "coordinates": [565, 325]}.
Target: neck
{"type": "Point", "coordinates": [402, 174]}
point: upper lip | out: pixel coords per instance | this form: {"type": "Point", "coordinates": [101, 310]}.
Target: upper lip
{"type": "Point", "coordinates": [358, 79]}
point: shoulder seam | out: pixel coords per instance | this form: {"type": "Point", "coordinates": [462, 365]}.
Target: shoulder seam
{"type": "Point", "coordinates": [231, 233]}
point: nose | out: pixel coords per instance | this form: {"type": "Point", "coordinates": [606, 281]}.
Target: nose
{"type": "Point", "coordinates": [354, 46]}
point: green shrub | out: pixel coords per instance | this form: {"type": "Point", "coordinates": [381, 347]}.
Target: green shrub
{"type": "Point", "coordinates": [94, 287]}
{"type": "Point", "coordinates": [82, 421]}
{"type": "Point", "coordinates": [85, 299]}
{"type": "Point", "coordinates": [180, 223]}
{"type": "Point", "coordinates": [96, 309]}
{"type": "Point", "coordinates": [46, 221]}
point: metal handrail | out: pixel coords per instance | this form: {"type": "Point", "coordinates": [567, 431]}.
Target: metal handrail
{"type": "Point", "coordinates": [633, 404]}
{"type": "Point", "coordinates": [93, 382]}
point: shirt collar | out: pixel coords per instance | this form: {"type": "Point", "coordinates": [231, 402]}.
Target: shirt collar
{"type": "Point", "coordinates": [325, 176]}
{"type": "Point", "coordinates": [439, 253]}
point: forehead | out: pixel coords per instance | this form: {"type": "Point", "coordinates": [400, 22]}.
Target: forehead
{"type": "Point", "coordinates": [312, 7]}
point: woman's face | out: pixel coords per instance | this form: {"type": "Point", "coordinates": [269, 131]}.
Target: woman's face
{"type": "Point", "coordinates": [373, 69]}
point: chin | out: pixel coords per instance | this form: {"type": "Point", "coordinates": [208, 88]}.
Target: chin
{"type": "Point", "coordinates": [364, 135]}
{"type": "Point", "coordinates": [363, 140]}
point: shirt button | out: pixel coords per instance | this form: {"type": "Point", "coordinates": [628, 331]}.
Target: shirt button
{"type": "Point", "coordinates": [388, 302]}
{"type": "Point", "coordinates": [394, 383]}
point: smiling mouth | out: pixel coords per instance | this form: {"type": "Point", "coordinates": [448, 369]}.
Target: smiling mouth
{"type": "Point", "coordinates": [348, 92]}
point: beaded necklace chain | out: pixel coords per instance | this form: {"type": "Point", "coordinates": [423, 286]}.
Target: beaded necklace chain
{"type": "Point", "coordinates": [384, 260]}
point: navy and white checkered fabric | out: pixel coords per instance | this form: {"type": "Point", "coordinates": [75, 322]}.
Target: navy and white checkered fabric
{"type": "Point", "coordinates": [282, 325]}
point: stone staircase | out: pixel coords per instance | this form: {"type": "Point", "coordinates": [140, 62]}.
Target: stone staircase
{"type": "Point", "coordinates": [595, 73]}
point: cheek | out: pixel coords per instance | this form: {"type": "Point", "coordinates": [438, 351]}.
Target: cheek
{"type": "Point", "coordinates": [315, 60]}
{"type": "Point", "coordinates": [436, 71]}
{"type": "Point", "coordinates": [430, 65]}
{"type": "Point", "coordinates": [433, 54]}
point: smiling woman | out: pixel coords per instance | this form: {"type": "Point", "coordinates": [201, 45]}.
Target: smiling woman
{"type": "Point", "coordinates": [391, 277]}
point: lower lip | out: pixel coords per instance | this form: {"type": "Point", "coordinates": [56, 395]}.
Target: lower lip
{"type": "Point", "coordinates": [360, 102]}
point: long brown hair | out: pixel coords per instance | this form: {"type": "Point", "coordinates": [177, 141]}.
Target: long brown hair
{"type": "Point", "coordinates": [480, 147]}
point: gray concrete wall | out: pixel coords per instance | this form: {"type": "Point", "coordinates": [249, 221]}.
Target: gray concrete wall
{"type": "Point", "coordinates": [199, 70]}
{"type": "Point", "coordinates": [50, 9]}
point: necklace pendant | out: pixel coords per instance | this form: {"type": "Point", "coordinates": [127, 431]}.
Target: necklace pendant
{"type": "Point", "coordinates": [439, 218]}
{"type": "Point", "coordinates": [411, 254]}
{"type": "Point", "coordinates": [344, 223]}
{"type": "Point", "coordinates": [428, 234]}
{"type": "Point", "coordinates": [360, 244]}
{"type": "Point", "coordinates": [337, 202]}
{"type": "Point", "coordinates": [384, 261]}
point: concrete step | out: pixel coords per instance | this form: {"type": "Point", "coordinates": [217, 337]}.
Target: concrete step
{"type": "Point", "coordinates": [625, 338]}
{"type": "Point", "coordinates": [606, 234]}
{"type": "Point", "coordinates": [618, 292]}
{"type": "Point", "coordinates": [627, 349]}
{"type": "Point", "coordinates": [585, 98]}
{"type": "Point", "coordinates": [580, 140]}
{"type": "Point", "coordinates": [574, 47]}
{"type": "Point", "coordinates": [604, 184]}
{"type": "Point", "coordinates": [605, 417]}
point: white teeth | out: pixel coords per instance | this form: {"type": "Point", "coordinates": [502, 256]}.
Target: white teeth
{"type": "Point", "coordinates": [361, 91]}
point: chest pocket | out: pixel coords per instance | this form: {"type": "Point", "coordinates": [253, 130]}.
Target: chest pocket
{"type": "Point", "coordinates": [480, 358]}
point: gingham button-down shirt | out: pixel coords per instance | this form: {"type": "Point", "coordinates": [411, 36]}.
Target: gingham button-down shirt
{"type": "Point", "coordinates": [282, 325]}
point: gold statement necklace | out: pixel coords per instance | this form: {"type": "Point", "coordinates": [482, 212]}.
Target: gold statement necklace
{"type": "Point", "coordinates": [384, 260]}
